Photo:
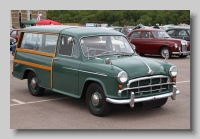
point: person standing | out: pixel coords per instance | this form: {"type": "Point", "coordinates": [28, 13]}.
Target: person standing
{"type": "Point", "coordinates": [156, 26]}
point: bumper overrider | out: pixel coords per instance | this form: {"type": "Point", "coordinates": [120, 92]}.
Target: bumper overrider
{"type": "Point", "coordinates": [133, 100]}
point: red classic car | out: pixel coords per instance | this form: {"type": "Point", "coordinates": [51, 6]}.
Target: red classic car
{"type": "Point", "coordinates": [15, 33]}
{"type": "Point", "coordinates": [158, 42]}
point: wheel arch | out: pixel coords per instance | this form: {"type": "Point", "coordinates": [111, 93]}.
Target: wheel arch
{"type": "Point", "coordinates": [163, 47]}
{"type": "Point", "coordinates": [27, 71]}
{"type": "Point", "coordinates": [88, 82]}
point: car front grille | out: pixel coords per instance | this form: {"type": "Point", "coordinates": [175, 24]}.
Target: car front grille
{"type": "Point", "coordinates": [151, 85]}
{"type": "Point", "coordinates": [184, 48]}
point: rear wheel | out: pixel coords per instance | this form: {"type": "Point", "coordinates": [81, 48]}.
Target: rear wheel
{"type": "Point", "coordinates": [96, 100]}
{"type": "Point", "coordinates": [33, 86]}
{"type": "Point", "coordinates": [164, 51]}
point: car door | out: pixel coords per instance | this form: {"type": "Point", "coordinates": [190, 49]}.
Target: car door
{"type": "Point", "coordinates": [147, 42]}
{"type": "Point", "coordinates": [65, 66]}
{"type": "Point", "coordinates": [182, 34]}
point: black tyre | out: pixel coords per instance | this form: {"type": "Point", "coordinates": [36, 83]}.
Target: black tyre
{"type": "Point", "coordinates": [33, 87]}
{"type": "Point", "coordinates": [165, 50]}
{"type": "Point", "coordinates": [183, 56]}
{"type": "Point", "coordinates": [96, 100]}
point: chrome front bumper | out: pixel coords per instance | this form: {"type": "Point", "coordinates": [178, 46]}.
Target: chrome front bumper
{"type": "Point", "coordinates": [179, 53]}
{"type": "Point", "coordinates": [133, 100]}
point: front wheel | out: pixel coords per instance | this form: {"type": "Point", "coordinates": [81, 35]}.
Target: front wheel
{"type": "Point", "coordinates": [33, 86]}
{"type": "Point", "coordinates": [164, 51]}
{"type": "Point", "coordinates": [96, 100]}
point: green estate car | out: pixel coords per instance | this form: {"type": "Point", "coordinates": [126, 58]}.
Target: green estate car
{"type": "Point", "coordinates": [96, 63]}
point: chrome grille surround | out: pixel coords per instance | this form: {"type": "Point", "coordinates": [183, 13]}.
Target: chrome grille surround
{"type": "Point", "coordinates": [184, 48]}
{"type": "Point", "coordinates": [159, 85]}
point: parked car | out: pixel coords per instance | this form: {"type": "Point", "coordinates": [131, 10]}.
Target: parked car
{"type": "Point", "coordinates": [179, 32]}
{"type": "Point", "coordinates": [15, 34]}
{"type": "Point", "coordinates": [95, 63]}
{"type": "Point", "coordinates": [158, 42]}
{"type": "Point", "coordinates": [12, 42]}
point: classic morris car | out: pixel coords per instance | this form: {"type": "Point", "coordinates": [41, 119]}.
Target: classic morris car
{"type": "Point", "coordinates": [98, 64]}
{"type": "Point", "coordinates": [158, 42]}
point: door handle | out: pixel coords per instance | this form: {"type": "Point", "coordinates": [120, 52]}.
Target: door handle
{"type": "Point", "coordinates": [55, 58]}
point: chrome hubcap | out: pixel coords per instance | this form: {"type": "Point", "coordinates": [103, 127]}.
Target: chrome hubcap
{"type": "Point", "coordinates": [95, 99]}
{"type": "Point", "coordinates": [165, 52]}
{"type": "Point", "coordinates": [33, 82]}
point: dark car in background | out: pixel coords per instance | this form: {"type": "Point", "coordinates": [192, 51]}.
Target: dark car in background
{"type": "Point", "coordinates": [158, 42]}
{"type": "Point", "coordinates": [179, 33]}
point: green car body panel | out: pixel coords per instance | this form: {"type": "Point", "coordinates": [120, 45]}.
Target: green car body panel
{"type": "Point", "coordinates": [70, 74]}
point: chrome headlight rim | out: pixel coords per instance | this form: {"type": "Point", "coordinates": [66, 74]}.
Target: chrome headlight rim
{"type": "Point", "coordinates": [120, 75]}
{"type": "Point", "coordinates": [173, 71]}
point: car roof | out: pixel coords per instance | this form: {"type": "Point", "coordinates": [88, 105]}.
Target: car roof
{"type": "Point", "coordinates": [148, 29]}
{"type": "Point", "coordinates": [178, 28]}
{"type": "Point", "coordinates": [76, 31]}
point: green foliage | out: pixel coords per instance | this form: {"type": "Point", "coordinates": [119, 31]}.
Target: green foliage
{"type": "Point", "coordinates": [121, 17]}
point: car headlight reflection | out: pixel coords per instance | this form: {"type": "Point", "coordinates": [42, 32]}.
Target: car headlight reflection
{"type": "Point", "coordinates": [175, 45]}
{"type": "Point", "coordinates": [122, 77]}
{"type": "Point", "coordinates": [173, 71]}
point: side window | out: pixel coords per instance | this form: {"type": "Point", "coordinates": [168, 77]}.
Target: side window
{"type": "Point", "coordinates": [39, 42]}
{"type": "Point", "coordinates": [14, 33]}
{"type": "Point", "coordinates": [68, 47]}
{"type": "Point", "coordinates": [182, 33]}
{"type": "Point", "coordinates": [147, 35]}
{"type": "Point", "coordinates": [135, 35]}
{"type": "Point", "coordinates": [171, 32]}
{"type": "Point", "coordinates": [29, 41]}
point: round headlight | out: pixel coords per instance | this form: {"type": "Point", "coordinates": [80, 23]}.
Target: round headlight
{"type": "Point", "coordinates": [122, 77]}
{"type": "Point", "coordinates": [173, 71]}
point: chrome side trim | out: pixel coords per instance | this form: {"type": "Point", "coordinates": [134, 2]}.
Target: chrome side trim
{"type": "Point", "coordinates": [70, 68]}
{"type": "Point", "coordinates": [102, 74]}
{"type": "Point", "coordinates": [133, 100]}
